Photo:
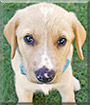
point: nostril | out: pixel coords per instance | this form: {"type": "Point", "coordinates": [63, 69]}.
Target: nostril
{"type": "Point", "coordinates": [45, 75]}
{"type": "Point", "coordinates": [51, 73]}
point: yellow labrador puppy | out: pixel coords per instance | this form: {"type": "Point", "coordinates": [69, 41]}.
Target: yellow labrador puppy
{"type": "Point", "coordinates": [41, 37]}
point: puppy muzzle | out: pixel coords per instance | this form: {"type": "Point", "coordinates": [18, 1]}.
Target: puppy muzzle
{"type": "Point", "coordinates": [45, 75]}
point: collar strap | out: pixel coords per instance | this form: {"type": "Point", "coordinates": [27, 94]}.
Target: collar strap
{"type": "Point", "coordinates": [66, 66]}
{"type": "Point", "coordinates": [23, 71]}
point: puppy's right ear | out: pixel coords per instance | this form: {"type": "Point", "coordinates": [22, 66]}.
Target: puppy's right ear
{"type": "Point", "coordinates": [10, 33]}
{"type": "Point", "coordinates": [80, 34]}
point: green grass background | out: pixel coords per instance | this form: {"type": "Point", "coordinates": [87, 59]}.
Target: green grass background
{"type": "Point", "coordinates": [79, 67]}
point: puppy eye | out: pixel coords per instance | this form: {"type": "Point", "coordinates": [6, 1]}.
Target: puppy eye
{"type": "Point", "coordinates": [29, 40]}
{"type": "Point", "coordinates": [62, 41]}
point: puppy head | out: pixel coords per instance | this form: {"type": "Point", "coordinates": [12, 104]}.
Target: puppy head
{"type": "Point", "coordinates": [43, 34]}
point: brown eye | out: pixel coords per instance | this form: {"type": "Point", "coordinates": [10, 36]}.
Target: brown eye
{"type": "Point", "coordinates": [62, 41]}
{"type": "Point", "coordinates": [29, 40]}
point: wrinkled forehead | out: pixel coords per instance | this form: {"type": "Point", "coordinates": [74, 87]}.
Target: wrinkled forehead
{"type": "Point", "coordinates": [44, 20]}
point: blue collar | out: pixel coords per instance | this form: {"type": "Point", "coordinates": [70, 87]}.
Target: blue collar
{"type": "Point", "coordinates": [23, 71]}
{"type": "Point", "coordinates": [66, 66]}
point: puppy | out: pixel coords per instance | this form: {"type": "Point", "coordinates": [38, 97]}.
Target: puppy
{"type": "Point", "coordinates": [41, 37]}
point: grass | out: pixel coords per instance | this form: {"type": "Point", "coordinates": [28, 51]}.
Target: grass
{"type": "Point", "coordinates": [79, 67]}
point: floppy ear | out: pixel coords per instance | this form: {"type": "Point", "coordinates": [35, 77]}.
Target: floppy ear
{"type": "Point", "coordinates": [10, 34]}
{"type": "Point", "coordinates": [80, 34]}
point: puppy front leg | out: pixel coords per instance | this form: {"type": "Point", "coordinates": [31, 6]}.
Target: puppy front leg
{"type": "Point", "coordinates": [24, 95]}
{"type": "Point", "coordinates": [67, 95]}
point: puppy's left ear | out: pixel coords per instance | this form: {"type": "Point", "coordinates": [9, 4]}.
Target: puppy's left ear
{"type": "Point", "coordinates": [10, 34]}
{"type": "Point", "coordinates": [80, 34]}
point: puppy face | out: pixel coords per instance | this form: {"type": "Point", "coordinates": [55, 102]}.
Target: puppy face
{"type": "Point", "coordinates": [43, 34]}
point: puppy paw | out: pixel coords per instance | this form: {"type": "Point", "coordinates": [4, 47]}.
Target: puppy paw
{"type": "Point", "coordinates": [76, 84]}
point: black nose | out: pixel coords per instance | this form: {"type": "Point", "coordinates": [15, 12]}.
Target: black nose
{"type": "Point", "coordinates": [45, 75]}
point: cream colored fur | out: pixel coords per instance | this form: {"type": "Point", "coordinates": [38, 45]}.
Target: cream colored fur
{"type": "Point", "coordinates": [46, 22]}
